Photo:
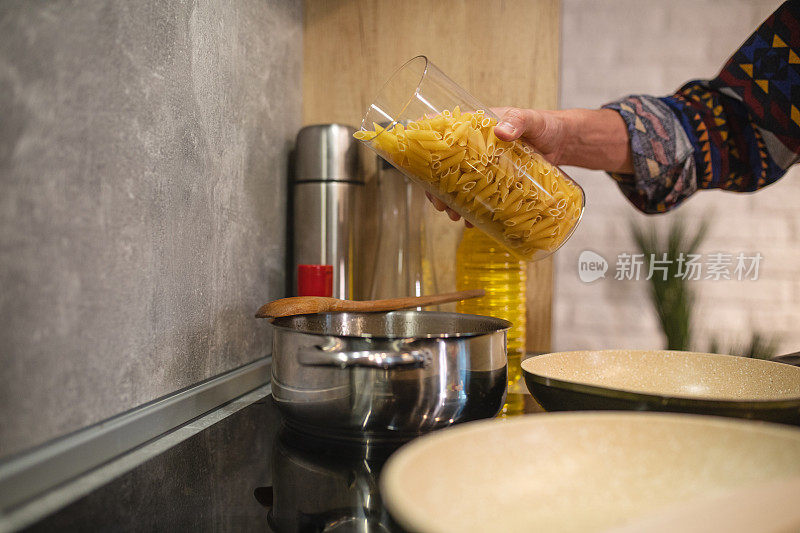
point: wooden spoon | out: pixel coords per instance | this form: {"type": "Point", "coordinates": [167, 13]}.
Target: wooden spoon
{"type": "Point", "coordinates": [301, 305]}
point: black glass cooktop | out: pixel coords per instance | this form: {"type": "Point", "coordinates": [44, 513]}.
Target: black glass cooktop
{"type": "Point", "coordinates": [245, 473]}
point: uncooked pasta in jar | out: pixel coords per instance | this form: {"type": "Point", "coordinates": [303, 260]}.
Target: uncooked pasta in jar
{"type": "Point", "coordinates": [505, 188]}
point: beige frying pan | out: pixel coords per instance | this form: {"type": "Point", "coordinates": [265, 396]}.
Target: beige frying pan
{"type": "Point", "coordinates": [581, 472]}
{"type": "Point", "coordinates": [769, 507]}
{"type": "Point", "coordinates": [665, 381]}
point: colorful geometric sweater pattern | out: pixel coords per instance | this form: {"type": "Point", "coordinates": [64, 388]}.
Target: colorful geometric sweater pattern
{"type": "Point", "coordinates": [739, 131]}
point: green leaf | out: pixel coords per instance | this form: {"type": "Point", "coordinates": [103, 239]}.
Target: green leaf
{"type": "Point", "coordinates": [673, 297]}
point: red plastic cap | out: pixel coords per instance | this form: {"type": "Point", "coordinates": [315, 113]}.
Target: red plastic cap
{"type": "Point", "coordinates": [314, 280]}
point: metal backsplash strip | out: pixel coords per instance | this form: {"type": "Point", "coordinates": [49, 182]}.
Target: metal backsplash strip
{"type": "Point", "coordinates": [31, 473]}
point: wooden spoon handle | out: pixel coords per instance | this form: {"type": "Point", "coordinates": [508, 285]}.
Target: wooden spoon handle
{"type": "Point", "coordinates": [405, 303]}
{"type": "Point", "coordinates": [300, 305]}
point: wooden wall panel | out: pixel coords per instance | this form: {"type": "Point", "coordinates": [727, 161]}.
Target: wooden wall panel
{"type": "Point", "coordinates": [503, 52]}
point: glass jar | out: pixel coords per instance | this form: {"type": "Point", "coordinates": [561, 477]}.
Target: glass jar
{"type": "Point", "coordinates": [403, 262]}
{"type": "Point", "coordinates": [442, 138]}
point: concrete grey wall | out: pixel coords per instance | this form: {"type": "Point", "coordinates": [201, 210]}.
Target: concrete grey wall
{"type": "Point", "coordinates": [143, 156]}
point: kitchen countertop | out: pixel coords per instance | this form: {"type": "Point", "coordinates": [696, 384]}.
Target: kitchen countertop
{"type": "Point", "coordinates": [243, 473]}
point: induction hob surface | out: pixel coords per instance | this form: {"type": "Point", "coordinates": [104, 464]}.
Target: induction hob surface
{"type": "Point", "coordinates": [248, 472]}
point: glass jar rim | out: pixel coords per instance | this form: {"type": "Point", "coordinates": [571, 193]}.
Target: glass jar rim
{"type": "Point", "coordinates": [386, 84]}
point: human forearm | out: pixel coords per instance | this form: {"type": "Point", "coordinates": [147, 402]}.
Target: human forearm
{"type": "Point", "coordinates": [590, 138]}
{"type": "Point", "coordinates": [596, 139]}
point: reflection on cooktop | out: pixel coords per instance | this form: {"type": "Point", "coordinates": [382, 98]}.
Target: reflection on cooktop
{"type": "Point", "coordinates": [245, 473]}
{"type": "Point", "coordinates": [321, 485]}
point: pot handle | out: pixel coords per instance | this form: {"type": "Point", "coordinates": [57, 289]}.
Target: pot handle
{"type": "Point", "coordinates": [316, 356]}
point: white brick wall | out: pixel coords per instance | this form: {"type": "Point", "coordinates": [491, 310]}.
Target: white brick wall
{"type": "Point", "coordinates": [612, 48]}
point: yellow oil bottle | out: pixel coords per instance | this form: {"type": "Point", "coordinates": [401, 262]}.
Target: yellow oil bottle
{"type": "Point", "coordinates": [482, 263]}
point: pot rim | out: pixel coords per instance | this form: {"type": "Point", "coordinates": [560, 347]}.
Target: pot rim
{"type": "Point", "coordinates": [496, 325]}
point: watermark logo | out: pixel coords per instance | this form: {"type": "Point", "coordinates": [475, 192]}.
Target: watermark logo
{"type": "Point", "coordinates": [690, 267]}
{"type": "Point", "coordinates": [591, 266]}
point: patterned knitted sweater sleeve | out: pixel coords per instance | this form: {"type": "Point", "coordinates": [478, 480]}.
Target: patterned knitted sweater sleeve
{"type": "Point", "coordinates": [739, 131]}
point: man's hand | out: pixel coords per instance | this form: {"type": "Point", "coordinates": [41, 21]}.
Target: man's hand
{"type": "Point", "coordinates": [590, 138]}
{"type": "Point", "coordinates": [546, 131]}
{"type": "Point", "coordinates": [441, 206]}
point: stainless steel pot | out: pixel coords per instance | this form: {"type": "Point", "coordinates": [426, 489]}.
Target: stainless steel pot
{"type": "Point", "coordinates": [387, 375]}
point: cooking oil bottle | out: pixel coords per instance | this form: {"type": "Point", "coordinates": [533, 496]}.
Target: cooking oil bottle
{"type": "Point", "coordinates": [481, 263]}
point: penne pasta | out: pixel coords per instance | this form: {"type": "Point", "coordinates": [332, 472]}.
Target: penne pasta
{"type": "Point", "coordinates": [439, 122]}
{"type": "Point", "coordinates": [418, 150]}
{"type": "Point", "coordinates": [424, 135]}
{"type": "Point", "coordinates": [490, 141]}
{"type": "Point", "coordinates": [451, 181]}
{"type": "Point", "coordinates": [454, 159]}
{"type": "Point", "coordinates": [519, 218]}
{"type": "Point", "coordinates": [506, 188]}
{"type": "Point", "coordinates": [433, 145]}
{"type": "Point", "coordinates": [485, 193]}
{"type": "Point", "coordinates": [460, 133]}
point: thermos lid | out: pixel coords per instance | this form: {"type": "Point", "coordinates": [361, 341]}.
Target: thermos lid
{"type": "Point", "coordinates": [327, 152]}
{"type": "Point", "coordinates": [315, 280]}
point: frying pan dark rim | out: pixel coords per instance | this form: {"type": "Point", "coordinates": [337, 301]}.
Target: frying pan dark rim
{"type": "Point", "coordinates": [683, 401]}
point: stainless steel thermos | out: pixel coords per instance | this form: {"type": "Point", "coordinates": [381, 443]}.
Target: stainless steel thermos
{"type": "Point", "coordinates": [326, 188]}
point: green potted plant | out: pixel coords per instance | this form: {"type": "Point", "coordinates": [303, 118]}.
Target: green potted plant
{"type": "Point", "coordinates": [673, 296]}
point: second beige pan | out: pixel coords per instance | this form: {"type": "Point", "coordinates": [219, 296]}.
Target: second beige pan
{"type": "Point", "coordinates": [652, 380]}
{"type": "Point", "coordinates": [585, 472]}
